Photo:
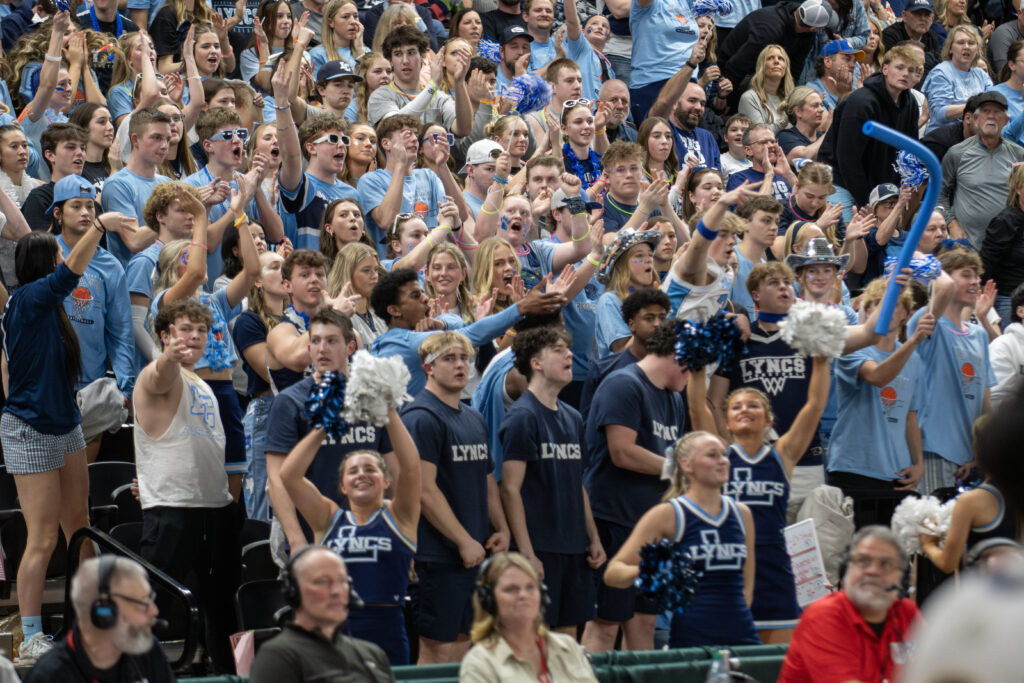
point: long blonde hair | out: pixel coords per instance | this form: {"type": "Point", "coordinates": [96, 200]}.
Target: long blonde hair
{"type": "Point", "coordinates": [619, 280]}
{"type": "Point", "coordinates": [389, 20]}
{"type": "Point", "coordinates": [362, 91]}
{"type": "Point", "coordinates": [346, 262]}
{"type": "Point", "coordinates": [485, 625]}
{"type": "Point", "coordinates": [200, 13]}
{"type": "Point", "coordinates": [447, 82]}
{"type": "Point", "coordinates": [483, 270]}
{"type": "Point", "coordinates": [167, 265]}
{"type": "Point", "coordinates": [326, 32]}
{"type": "Point", "coordinates": [947, 47]}
{"type": "Point", "coordinates": [683, 450]}
{"type": "Point", "coordinates": [463, 295]}
{"type": "Point", "coordinates": [757, 82]}
{"type": "Point", "coordinates": [123, 71]}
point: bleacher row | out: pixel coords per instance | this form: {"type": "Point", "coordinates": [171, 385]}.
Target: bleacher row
{"type": "Point", "coordinates": [690, 665]}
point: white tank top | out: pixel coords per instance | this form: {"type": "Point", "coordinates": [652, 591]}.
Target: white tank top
{"type": "Point", "coordinates": [184, 466]}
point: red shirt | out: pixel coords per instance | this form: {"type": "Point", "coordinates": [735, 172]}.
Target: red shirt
{"type": "Point", "coordinates": [833, 643]}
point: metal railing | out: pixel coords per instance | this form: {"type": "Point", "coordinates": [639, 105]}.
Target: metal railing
{"type": "Point", "coordinates": [159, 581]}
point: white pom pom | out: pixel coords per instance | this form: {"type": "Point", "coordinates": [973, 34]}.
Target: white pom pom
{"type": "Point", "coordinates": [916, 516]}
{"type": "Point", "coordinates": [373, 383]}
{"type": "Point", "coordinates": [815, 330]}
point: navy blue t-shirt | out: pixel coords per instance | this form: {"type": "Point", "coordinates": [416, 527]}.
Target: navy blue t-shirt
{"type": "Point", "coordinates": [784, 376]}
{"type": "Point", "coordinates": [599, 369]}
{"type": "Point", "coordinates": [286, 427]}
{"type": "Point", "coordinates": [455, 441]}
{"type": "Point", "coordinates": [249, 330]}
{"type": "Point", "coordinates": [627, 398]}
{"type": "Point", "coordinates": [617, 214]}
{"type": "Point", "coordinates": [551, 443]}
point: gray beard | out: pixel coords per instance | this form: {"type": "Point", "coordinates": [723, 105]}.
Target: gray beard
{"type": "Point", "coordinates": [133, 640]}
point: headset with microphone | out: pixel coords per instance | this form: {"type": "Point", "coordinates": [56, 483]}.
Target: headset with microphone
{"type": "Point", "coordinates": [103, 612]}
{"type": "Point", "coordinates": [290, 587]}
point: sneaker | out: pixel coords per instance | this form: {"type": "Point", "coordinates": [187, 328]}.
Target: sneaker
{"type": "Point", "coordinates": [33, 648]}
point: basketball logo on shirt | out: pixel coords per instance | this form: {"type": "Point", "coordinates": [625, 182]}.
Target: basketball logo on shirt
{"type": "Point", "coordinates": [751, 491]}
{"type": "Point", "coordinates": [967, 377]}
{"type": "Point", "coordinates": [421, 209]}
{"type": "Point", "coordinates": [717, 555]}
{"type": "Point", "coordinates": [81, 302]}
{"type": "Point", "coordinates": [890, 400]}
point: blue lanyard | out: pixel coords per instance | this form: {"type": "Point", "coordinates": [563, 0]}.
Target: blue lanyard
{"type": "Point", "coordinates": [118, 30]}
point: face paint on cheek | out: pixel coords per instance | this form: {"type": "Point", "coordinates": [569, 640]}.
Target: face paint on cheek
{"type": "Point", "coordinates": [504, 223]}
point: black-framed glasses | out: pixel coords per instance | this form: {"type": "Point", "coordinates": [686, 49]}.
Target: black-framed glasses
{"type": "Point", "coordinates": [135, 601]}
{"type": "Point", "coordinates": [227, 135]}
{"type": "Point", "coordinates": [437, 138]}
{"type": "Point", "coordinates": [333, 138]}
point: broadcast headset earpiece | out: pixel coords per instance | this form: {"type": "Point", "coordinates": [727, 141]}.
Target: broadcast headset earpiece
{"type": "Point", "coordinates": [290, 586]}
{"type": "Point", "coordinates": [103, 613]}
{"type": "Point", "coordinates": [484, 590]}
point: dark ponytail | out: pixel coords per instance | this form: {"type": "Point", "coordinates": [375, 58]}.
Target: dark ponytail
{"type": "Point", "coordinates": [35, 257]}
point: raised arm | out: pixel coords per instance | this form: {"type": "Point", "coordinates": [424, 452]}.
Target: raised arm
{"type": "Point", "coordinates": [195, 260]}
{"type": "Point", "coordinates": [316, 508]}
{"type": "Point", "coordinates": [570, 252]}
{"type": "Point", "coordinates": [692, 267]}
{"type": "Point", "coordinates": [196, 94]}
{"type": "Point", "coordinates": [697, 404]}
{"type": "Point", "coordinates": [287, 134]}
{"type": "Point", "coordinates": [242, 283]}
{"type": "Point", "coordinates": [793, 444]}
{"type": "Point", "coordinates": [50, 69]}
{"type": "Point", "coordinates": [405, 507]}
{"type": "Point", "coordinates": [880, 374]}
{"type": "Point", "coordinates": [673, 89]}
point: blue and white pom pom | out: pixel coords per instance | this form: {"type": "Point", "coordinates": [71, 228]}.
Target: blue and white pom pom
{"type": "Point", "coordinates": [373, 384]}
{"type": "Point", "coordinates": [326, 403]}
{"type": "Point", "coordinates": [489, 50]}
{"type": "Point", "coordinates": [815, 330]}
{"type": "Point", "coordinates": [711, 8]}
{"type": "Point", "coordinates": [530, 93]}
{"type": "Point", "coordinates": [912, 171]}
{"type": "Point", "coordinates": [716, 341]}
{"type": "Point", "coordinates": [667, 577]}
{"type": "Point", "coordinates": [924, 269]}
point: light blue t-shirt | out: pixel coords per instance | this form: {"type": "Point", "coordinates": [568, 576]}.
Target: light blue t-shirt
{"type": "Point", "coordinates": [959, 371]}
{"type": "Point", "coordinates": [610, 326]}
{"type": "Point", "coordinates": [100, 312]}
{"type": "Point", "coordinates": [827, 98]}
{"type": "Point", "coordinates": [141, 276]}
{"type": "Point", "coordinates": [149, 5]}
{"type": "Point", "coordinates": [318, 56]}
{"type": "Point", "coordinates": [739, 294]}
{"type": "Point", "coordinates": [422, 193]}
{"type": "Point", "coordinates": [541, 54]}
{"type": "Point", "coordinates": [740, 9]}
{"type": "Point", "coordinates": [127, 192]}
{"type": "Point", "coordinates": [214, 261]}
{"type": "Point", "coordinates": [589, 60]}
{"type": "Point", "coordinates": [472, 203]}
{"type": "Point", "coordinates": [535, 261]}
{"type": "Point", "coordinates": [1014, 99]}
{"type": "Point", "coordinates": [869, 437]}
{"type": "Point", "coordinates": [947, 86]}
{"type": "Point", "coordinates": [34, 131]}
{"type": "Point", "coordinates": [666, 33]}
{"type": "Point", "coordinates": [119, 100]}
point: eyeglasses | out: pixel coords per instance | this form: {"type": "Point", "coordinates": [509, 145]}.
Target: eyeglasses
{"type": "Point", "coordinates": [138, 77]}
{"type": "Point", "coordinates": [886, 564]}
{"type": "Point", "coordinates": [437, 138]}
{"type": "Point", "coordinates": [144, 604]}
{"type": "Point", "coordinates": [401, 218]}
{"type": "Point", "coordinates": [176, 118]}
{"type": "Point", "coordinates": [228, 135]}
{"type": "Point", "coordinates": [333, 138]}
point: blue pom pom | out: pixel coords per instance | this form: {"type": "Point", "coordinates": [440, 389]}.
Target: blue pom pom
{"type": "Point", "coordinates": [529, 92]}
{"type": "Point", "coordinates": [711, 8]}
{"type": "Point", "coordinates": [667, 577]}
{"type": "Point", "coordinates": [325, 404]}
{"type": "Point", "coordinates": [716, 341]}
{"type": "Point", "coordinates": [912, 171]}
{"type": "Point", "coordinates": [924, 269]}
{"type": "Point", "coordinates": [489, 50]}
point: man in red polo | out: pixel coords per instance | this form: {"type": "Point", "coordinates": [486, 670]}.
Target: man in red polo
{"type": "Point", "coordinates": [857, 633]}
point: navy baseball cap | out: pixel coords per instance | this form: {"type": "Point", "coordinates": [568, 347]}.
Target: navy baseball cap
{"type": "Point", "coordinates": [334, 70]}
{"type": "Point", "coordinates": [515, 31]}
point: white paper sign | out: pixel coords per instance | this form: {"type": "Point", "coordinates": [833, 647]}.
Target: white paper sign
{"type": "Point", "coordinates": [808, 568]}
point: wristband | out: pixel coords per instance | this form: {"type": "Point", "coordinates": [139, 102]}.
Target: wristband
{"type": "Point", "coordinates": [500, 181]}
{"type": "Point", "coordinates": [491, 213]}
{"type": "Point", "coordinates": [51, 58]}
{"type": "Point", "coordinates": [594, 262]}
{"type": "Point", "coordinates": [584, 235]}
{"type": "Point", "coordinates": [282, 108]}
{"type": "Point", "coordinates": [98, 224]}
{"type": "Point", "coordinates": [601, 132]}
{"type": "Point", "coordinates": [199, 244]}
{"type": "Point", "coordinates": [692, 66]}
{"type": "Point", "coordinates": [240, 220]}
{"type": "Point", "coordinates": [706, 232]}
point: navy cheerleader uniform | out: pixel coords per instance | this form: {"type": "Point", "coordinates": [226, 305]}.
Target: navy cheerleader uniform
{"type": "Point", "coordinates": [719, 614]}
{"type": "Point", "coordinates": [1003, 525]}
{"type": "Point", "coordinates": [762, 484]}
{"type": "Point", "coordinates": [378, 556]}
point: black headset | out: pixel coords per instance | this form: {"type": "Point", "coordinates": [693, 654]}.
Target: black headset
{"type": "Point", "coordinates": [903, 588]}
{"type": "Point", "coordinates": [290, 586]}
{"type": "Point", "coordinates": [103, 613]}
{"type": "Point", "coordinates": [484, 591]}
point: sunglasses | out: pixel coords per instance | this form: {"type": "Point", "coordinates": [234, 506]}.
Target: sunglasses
{"type": "Point", "coordinates": [437, 138]}
{"type": "Point", "coordinates": [333, 138]}
{"type": "Point", "coordinates": [401, 218]}
{"type": "Point", "coordinates": [569, 104]}
{"type": "Point", "coordinates": [228, 135]}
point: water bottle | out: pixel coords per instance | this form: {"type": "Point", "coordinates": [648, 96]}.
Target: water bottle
{"type": "Point", "coordinates": [719, 671]}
